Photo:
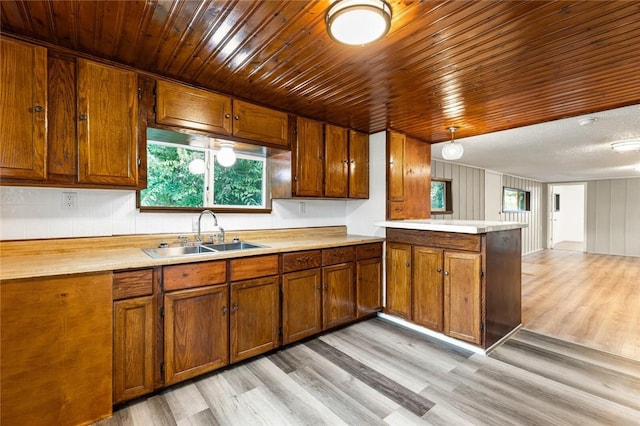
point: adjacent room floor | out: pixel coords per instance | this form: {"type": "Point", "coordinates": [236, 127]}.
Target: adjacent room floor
{"type": "Point", "coordinates": [589, 299]}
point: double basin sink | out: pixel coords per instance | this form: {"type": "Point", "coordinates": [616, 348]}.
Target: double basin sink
{"type": "Point", "coordinates": [163, 252]}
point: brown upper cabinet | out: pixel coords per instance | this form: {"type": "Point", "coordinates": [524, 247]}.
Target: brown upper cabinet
{"type": "Point", "coordinates": [331, 162]}
{"type": "Point", "coordinates": [188, 107]}
{"type": "Point", "coordinates": [23, 108]}
{"type": "Point", "coordinates": [184, 106]}
{"type": "Point", "coordinates": [107, 124]}
{"type": "Point", "coordinates": [67, 121]}
{"type": "Point", "coordinates": [408, 177]}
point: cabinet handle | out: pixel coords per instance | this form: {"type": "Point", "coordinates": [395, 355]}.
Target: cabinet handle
{"type": "Point", "coordinates": [227, 115]}
{"type": "Point", "coordinates": [82, 117]}
{"type": "Point", "coordinates": [353, 161]}
{"type": "Point", "coordinates": [237, 117]}
{"type": "Point", "coordinates": [446, 272]}
{"type": "Point", "coordinates": [319, 287]}
{"type": "Point", "coordinates": [224, 310]}
{"type": "Point", "coordinates": [439, 270]}
{"type": "Point", "coordinates": [234, 308]}
{"type": "Point", "coordinates": [38, 108]}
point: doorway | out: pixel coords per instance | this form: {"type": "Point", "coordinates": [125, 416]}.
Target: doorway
{"type": "Point", "coordinates": [567, 213]}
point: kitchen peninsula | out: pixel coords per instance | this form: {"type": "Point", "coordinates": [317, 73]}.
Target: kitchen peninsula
{"type": "Point", "coordinates": [460, 279]}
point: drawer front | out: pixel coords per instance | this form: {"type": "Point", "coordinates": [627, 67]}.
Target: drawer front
{"type": "Point", "coordinates": [301, 260]}
{"type": "Point", "coordinates": [443, 240]}
{"type": "Point", "coordinates": [253, 267]}
{"type": "Point", "coordinates": [129, 284]}
{"type": "Point", "coordinates": [338, 255]}
{"type": "Point", "coordinates": [191, 275]}
{"type": "Point", "coordinates": [369, 251]}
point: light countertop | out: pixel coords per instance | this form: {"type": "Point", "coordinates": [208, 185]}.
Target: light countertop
{"type": "Point", "coordinates": [96, 259]}
{"type": "Point", "coordinates": [461, 226]}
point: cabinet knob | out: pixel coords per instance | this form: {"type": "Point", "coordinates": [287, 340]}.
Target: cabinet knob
{"type": "Point", "coordinates": [439, 270]}
{"type": "Point", "coordinates": [224, 310]}
{"type": "Point", "coordinates": [38, 108]}
{"type": "Point", "coordinates": [234, 308]}
{"type": "Point", "coordinates": [82, 117]}
{"type": "Point", "coordinates": [408, 264]}
{"type": "Point", "coordinates": [326, 286]}
{"type": "Point", "coordinates": [446, 272]}
{"type": "Point", "coordinates": [227, 115]}
{"type": "Point", "coordinates": [319, 287]}
{"type": "Point", "coordinates": [236, 117]}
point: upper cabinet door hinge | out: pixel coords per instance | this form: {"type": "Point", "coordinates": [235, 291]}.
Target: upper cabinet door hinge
{"type": "Point", "coordinates": [481, 274]}
{"type": "Point", "coordinates": [162, 312]}
{"type": "Point", "coordinates": [139, 92]}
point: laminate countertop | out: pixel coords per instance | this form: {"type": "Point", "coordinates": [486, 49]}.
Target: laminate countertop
{"type": "Point", "coordinates": [459, 226]}
{"type": "Point", "coordinates": [93, 258]}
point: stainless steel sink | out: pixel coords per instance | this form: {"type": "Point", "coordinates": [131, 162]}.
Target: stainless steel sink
{"type": "Point", "coordinates": [242, 245]}
{"type": "Point", "coordinates": [162, 252]}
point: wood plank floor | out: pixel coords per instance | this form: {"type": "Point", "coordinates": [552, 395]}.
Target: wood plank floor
{"type": "Point", "coordinates": [585, 298]}
{"type": "Point", "coordinates": [374, 372]}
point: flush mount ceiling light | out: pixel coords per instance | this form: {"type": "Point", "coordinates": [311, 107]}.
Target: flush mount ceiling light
{"type": "Point", "coordinates": [453, 150]}
{"type": "Point", "coordinates": [626, 146]}
{"type": "Point", "coordinates": [226, 157]}
{"type": "Point", "coordinates": [358, 22]}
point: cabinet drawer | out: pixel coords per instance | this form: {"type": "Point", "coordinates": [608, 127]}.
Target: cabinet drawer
{"type": "Point", "coordinates": [301, 260]}
{"type": "Point", "coordinates": [252, 267]}
{"type": "Point", "coordinates": [128, 284]}
{"type": "Point", "coordinates": [338, 255]}
{"type": "Point", "coordinates": [369, 251]}
{"type": "Point", "coordinates": [443, 240]}
{"type": "Point", "coordinates": [194, 275]}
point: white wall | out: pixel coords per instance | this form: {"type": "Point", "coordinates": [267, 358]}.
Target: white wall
{"type": "Point", "coordinates": [568, 223]}
{"type": "Point", "coordinates": [361, 214]}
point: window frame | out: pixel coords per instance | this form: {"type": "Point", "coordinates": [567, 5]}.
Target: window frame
{"type": "Point", "coordinates": [448, 197]}
{"type": "Point", "coordinates": [527, 199]}
{"type": "Point", "coordinates": [209, 159]}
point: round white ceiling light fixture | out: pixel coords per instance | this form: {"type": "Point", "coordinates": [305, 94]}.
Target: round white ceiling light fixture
{"type": "Point", "coordinates": [626, 146]}
{"type": "Point", "coordinates": [358, 22]}
{"type": "Point", "coordinates": [225, 156]}
{"type": "Point", "coordinates": [197, 166]}
{"type": "Point", "coordinates": [452, 150]}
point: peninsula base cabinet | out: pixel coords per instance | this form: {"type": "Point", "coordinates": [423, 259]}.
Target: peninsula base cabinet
{"type": "Point", "coordinates": [467, 286]}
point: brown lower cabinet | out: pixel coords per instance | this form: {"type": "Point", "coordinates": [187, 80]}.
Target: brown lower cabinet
{"type": "Point", "coordinates": [466, 286]}
{"type": "Point", "coordinates": [339, 298]}
{"type": "Point", "coordinates": [196, 319]}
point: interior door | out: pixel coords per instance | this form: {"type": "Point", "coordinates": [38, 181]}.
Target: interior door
{"type": "Point", "coordinates": [493, 196]}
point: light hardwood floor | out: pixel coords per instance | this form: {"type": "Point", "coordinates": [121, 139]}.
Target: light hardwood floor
{"type": "Point", "coordinates": [585, 298]}
{"type": "Point", "coordinates": [374, 372]}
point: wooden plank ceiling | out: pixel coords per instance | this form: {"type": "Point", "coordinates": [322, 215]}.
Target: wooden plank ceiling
{"type": "Point", "coordinates": [481, 65]}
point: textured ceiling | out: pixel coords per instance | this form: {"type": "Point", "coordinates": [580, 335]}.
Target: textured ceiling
{"type": "Point", "coordinates": [485, 66]}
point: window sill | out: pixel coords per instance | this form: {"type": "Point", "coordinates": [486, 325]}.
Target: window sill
{"type": "Point", "coordinates": [147, 209]}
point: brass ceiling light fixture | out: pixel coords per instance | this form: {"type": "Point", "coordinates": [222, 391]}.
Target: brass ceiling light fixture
{"type": "Point", "coordinates": [452, 150]}
{"type": "Point", "coordinates": [358, 22]}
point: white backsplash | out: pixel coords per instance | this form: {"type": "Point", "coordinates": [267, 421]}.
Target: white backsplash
{"type": "Point", "coordinates": [30, 213]}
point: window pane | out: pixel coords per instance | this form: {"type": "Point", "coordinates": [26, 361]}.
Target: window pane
{"type": "Point", "coordinates": [437, 196]}
{"type": "Point", "coordinates": [510, 200]}
{"type": "Point", "coordinates": [170, 183]}
{"type": "Point", "coordinates": [240, 184]}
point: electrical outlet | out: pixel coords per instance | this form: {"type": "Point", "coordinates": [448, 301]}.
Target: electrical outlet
{"type": "Point", "coordinates": [302, 208]}
{"type": "Point", "coordinates": [69, 200]}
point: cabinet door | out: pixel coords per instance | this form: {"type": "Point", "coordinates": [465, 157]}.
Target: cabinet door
{"type": "Point", "coordinates": [196, 332]}
{"type": "Point", "coordinates": [368, 286]}
{"type": "Point", "coordinates": [107, 125]}
{"type": "Point", "coordinates": [309, 152]}
{"type": "Point", "coordinates": [399, 280]}
{"type": "Point", "coordinates": [301, 305]}
{"type": "Point", "coordinates": [339, 301]}
{"type": "Point", "coordinates": [23, 108]}
{"type": "Point", "coordinates": [185, 106]}
{"type": "Point", "coordinates": [336, 161]}
{"type": "Point", "coordinates": [358, 165]}
{"type": "Point", "coordinates": [260, 124]}
{"type": "Point", "coordinates": [427, 288]}
{"type": "Point", "coordinates": [255, 317]}
{"type": "Point", "coordinates": [395, 147]}
{"type": "Point", "coordinates": [462, 314]}
{"type": "Point", "coordinates": [417, 179]}
{"type": "Point", "coordinates": [133, 347]}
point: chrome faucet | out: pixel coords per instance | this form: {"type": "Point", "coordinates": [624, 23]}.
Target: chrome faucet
{"type": "Point", "coordinates": [215, 224]}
